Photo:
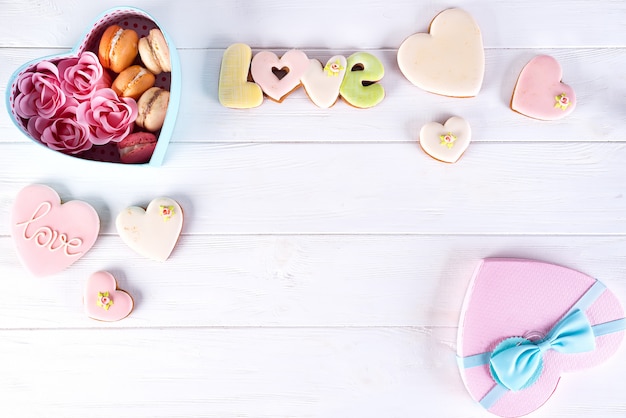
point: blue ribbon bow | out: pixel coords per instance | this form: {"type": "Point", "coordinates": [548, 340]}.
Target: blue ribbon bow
{"type": "Point", "coordinates": [517, 367]}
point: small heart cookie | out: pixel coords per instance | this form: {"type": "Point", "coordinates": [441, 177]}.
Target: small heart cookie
{"type": "Point", "coordinates": [103, 301]}
{"type": "Point", "coordinates": [278, 77]}
{"type": "Point", "coordinates": [539, 92]}
{"type": "Point", "coordinates": [525, 324]}
{"type": "Point", "coordinates": [50, 236]}
{"type": "Point", "coordinates": [446, 142]}
{"type": "Point", "coordinates": [450, 60]}
{"type": "Point", "coordinates": [322, 83]}
{"type": "Point", "coordinates": [153, 232]}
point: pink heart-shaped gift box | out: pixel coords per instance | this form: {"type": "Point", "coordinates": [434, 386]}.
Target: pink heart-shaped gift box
{"type": "Point", "coordinates": [510, 298]}
{"type": "Point", "coordinates": [126, 17]}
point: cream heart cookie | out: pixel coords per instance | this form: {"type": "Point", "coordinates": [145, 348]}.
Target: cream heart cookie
{"type": "Point", "coordinates": [450, 60]}
{"type": "Point", "coordinates": [539, 92]}
{"type": "Point", "coordinates": [103, 301]}
{"type": "Point", "coordinates": [235, 91]}
{"type": "Point", "coordinates": [50, 236]}
{"type": "Point", "coordinates": [322, 83]}
{"type": "Point", "coordinates": [279, 76]}
{"type": "Point", "coordinates": [446, 142]}
{"type": "Point", "coordinates": [153, 232]}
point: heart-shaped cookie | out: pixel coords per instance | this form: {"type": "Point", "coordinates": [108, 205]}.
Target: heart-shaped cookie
{"type": "Point", "coordinates": [278, 77]}
{"type": "Point", "coordinates": [524, 323]}
{"type": "Point", "coordinates": [50, 236]}
{"type": "Point", "coordinates": [153, 232]}
{"type": "Point", "coordinates": [539, 92]}
{"type": "Point", "coordinates": [47, 74]}
{"type": "Point", "coordinates": [450, 60]}
{"type": "Point", "coordinates": [103, 301]}
{"type": "Point", "coordinates": [446, 142]}
{"type": "Point", "coordinates": [322, 83]}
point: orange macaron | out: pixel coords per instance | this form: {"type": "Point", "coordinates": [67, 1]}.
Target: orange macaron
{"type": "Point", "coordinates": [118, 48]}
{"type": "Point", "coordinates": [133, 82]}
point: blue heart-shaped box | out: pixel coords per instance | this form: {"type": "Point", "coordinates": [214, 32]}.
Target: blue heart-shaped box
{"type": "Point", "coordinates": [141, 22]}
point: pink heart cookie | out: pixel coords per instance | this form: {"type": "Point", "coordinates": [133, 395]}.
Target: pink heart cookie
{"type": "Point", "coordinates": [539, 92]}
{"type": "Point", "coordinates": [50, 236]}
{"type": "Point", "coordinates": [265, 63]}
{"type": "Point", "coordinates": [50, 84]}
{"type": "Point", "coordinates": [103, 301]}
{"type": "Point", "coordinates": [513, 303]}
{"type": "Point", "coordinates": [153, 232]}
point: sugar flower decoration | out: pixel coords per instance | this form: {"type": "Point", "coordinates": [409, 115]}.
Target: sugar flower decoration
{"type": "Point", "coordinates": [447, 140]}
{"type": "Point", "coordinates": [562, 101]}
{"type": "Point", "coordinates": [104, 300]}
{"type": "Point", "coordinates": [333, 68]}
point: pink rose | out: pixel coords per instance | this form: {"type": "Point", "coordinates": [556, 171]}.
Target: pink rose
{"type": "Point", "coordinates": [63, 134]}
{"type": "Point", "coordinates": [81, 77]}
{"type": "Point", "coordinates": [108, 117]}
{"type": "Point", "coordinates": [40, 92]}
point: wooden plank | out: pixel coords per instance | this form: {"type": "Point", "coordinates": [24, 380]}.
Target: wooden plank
{"type": "Point", "coordinates": [401, 114]}
{"type": "Point", "coordinates": [497, 188]}
{"type": "Point", "coordinates": [315, 24]}
{"type": "Point", "coordinates": [291, 280]}
{"type": "Point", "coordinates": [363, 372]}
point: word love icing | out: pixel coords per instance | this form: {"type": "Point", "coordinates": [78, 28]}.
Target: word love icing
{"type": "Point", "coordinates": [50, 236]}
{"type": "Point", "coordinates": [46, 237]}
{"type": "Point", "coordinates": [244, 80]}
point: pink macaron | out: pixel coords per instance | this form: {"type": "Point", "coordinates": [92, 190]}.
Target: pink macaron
{"type": "Point", "coordinates": [137, 148]}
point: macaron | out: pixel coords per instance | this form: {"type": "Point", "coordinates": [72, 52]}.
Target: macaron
{"type": "Point", "coordinates": [137, 148]}
{"type": "Point", "coordinates": [133, 82]}
{"type": "Point", "coordinates": [118, 48]}
{"type": "Point", "coordinates": [152, 107]}
{"type": "Point", "coordinates": [154, 52]}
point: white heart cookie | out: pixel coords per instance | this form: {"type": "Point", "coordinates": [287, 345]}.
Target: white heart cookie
{"type": "Point", "coordinates": [450, 60]}
{"type": "Point", "coordinates": [446, 142]}
{"type": "Point", "coordinates": [153, 232]}
{"type": "Point", "coordinates": [322, 83]}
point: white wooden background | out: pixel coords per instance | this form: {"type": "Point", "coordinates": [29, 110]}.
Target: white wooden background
{"type": "Point", "coordinates": [324, 257]}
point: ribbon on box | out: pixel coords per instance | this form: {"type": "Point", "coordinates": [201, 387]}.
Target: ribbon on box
{"type": "Point", "coordinates": [530, 322]}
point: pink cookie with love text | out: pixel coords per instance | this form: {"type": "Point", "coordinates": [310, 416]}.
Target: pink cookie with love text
{"type": "Point", "coordinates": [539, 92]}
{"type": "Point", "coordinates": [50, 236]}
{"type": "Point", "coordinates": [563, 320]}
{"type": "Point", "coordinates": [278, 77]}
{"type": "Point", "coordinates": [103, 301]}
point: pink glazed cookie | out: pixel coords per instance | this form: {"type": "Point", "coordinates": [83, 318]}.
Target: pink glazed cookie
{"type": "Point", "coordinates": [524, 324]}
{"type": "Point", "coordinates": [103, 301]}
{"type": "Point", "coordinates": [278, 77]}
{"type": "Point", "coordinates": [50, 236]}
{"type": "Point", "coordinates": [539, 92]}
